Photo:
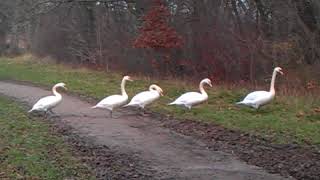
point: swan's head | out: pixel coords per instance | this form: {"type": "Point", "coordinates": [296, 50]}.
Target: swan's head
{"type": "Point", "coordinates": [159, 90]}
{"type": "Point", "coordinates": [156, 88]}
{"type": "Point", "coordinates": [207, 81]}
{"type": "Point", "coordinates": [127, 78]}
{"type": "Point", "coordinates": [62, 85]}
{"type": "Point", "coordinates": [278, 70]}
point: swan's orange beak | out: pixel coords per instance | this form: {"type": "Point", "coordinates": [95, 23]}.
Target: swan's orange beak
{"type": "Point", "coordinates": [281, 72]}
{"type": "Point", "coordinates": [210, 84]}
{"type": "Point", "coordinates": [160, 91]}
{"type": "Point", "coordinates": [65, 88]}
{"type": "Point", "coordinates": [130, 79]}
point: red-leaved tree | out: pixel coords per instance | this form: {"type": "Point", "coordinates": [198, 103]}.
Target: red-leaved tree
{"type": "Point", "coordinates": [156, 34]}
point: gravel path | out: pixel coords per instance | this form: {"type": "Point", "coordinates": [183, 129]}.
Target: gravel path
{"type": "Point", "coordinates": [165, 153]}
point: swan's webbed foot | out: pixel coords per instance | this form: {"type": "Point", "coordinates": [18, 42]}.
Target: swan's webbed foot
{"type": "Point", "coordinates": [112, 116]}
{"type": "Point", "coordinates": [255, 106]}
{"type": "Point", "coordinates": [143, 113]}
{"type": "Point", "coordinates": [50, 113]}
{"type": "Point", "coordinates": [115, 117]}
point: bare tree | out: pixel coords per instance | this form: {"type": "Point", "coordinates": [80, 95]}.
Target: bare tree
{"type": "Point", "coordinates": [225, 39]}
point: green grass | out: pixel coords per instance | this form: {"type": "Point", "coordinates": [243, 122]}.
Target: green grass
{"type": "Point", "coordinates": [286, 119]}
{"type": "Point", "coordinates": [29, 151]}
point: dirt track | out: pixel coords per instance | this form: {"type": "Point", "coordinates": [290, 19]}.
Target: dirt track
{"type": "Point", "coordinates": [161, 152]}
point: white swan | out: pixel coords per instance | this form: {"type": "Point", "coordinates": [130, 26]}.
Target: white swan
{"type": "Point", "coordinates": [47, 103]}
{"type": "Point", "coordinates": [146, 97]}
{"type": "Point", "coordinates": [190, 99]}
{"type": "Point", "coordinates": [115, 101]}
{"type": "Point", "coordinates": [260, 98]}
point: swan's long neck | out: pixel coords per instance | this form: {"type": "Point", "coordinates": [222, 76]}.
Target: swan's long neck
{"type": "Point", "coordinates": [123, 91]}
{"type": "Point", "coordinates": [272, 90]}
{"type": "Point", "coordinates": [54, 90]}
{"type": "Point", "coordinates": [203, 92]}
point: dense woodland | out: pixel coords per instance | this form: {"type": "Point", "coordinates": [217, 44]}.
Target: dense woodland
{"type": "Point", "coordinates": [228, 40]}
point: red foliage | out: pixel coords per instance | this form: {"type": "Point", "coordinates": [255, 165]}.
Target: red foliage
{"type": "Point", "coordinates": [155, 32]}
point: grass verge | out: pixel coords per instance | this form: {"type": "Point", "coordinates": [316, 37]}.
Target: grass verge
{"type": "Point", "coordinates": [286, 119]}
{"type": "Point", "coordinates": [29, 151]}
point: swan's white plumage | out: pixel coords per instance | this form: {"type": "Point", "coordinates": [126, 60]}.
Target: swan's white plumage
{"type": "Point", "coordinates": [115, 101]}
{"type": "Point", "coordinates": [146, 97]}
{"type": "Point", "coordinates": [49, 102]}
{"type": "Point", "coordinates": [257, 99]}
{"type": "Point", "coordinates": [256, 95]}
{"type": "Point", "coordinates": [190, 99]}
{"type": "Point", "coordinates": [46, 103]}
{"type": "Point", "coordinates": [111, 102]}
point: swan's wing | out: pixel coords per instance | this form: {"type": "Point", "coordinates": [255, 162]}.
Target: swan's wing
{"type": "Point", "coordinates": [112, 100]}
{"type": "Point", "coordinates": [257, 99]}
{"type": "Point", "coordinates": [256, 95]}
{"type": "Point", "coordinates": [46, 102]}
{"type": "Point", "coordinates": [189, 98]}
{"type": "Point", "coordinates": [145, 97]}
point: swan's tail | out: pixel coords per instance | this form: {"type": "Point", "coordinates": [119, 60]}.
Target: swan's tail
{"type": "Point", "coordinates": [246, 103]}
{"type": "Point", "coordinates": [175, 102]}
{"type": "Point", "coordinates": [93, 107]}
{"type": "Point", "coordinates": [239, 103]}
{"type": "Point", "coordinates": [30, 110]}
{"type": "Point", "coordinates": [127, 105]}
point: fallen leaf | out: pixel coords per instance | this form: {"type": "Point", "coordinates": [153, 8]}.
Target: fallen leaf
{"type": "Point", "coordinates": [317, 110]}
{"type": "Point", "coordinates": [300, 114]}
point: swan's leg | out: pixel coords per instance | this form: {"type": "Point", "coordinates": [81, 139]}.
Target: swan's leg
{"type": "Point", "coordinates": [132, 111]}
{"type": "Point", "coordinates": [258, 108]}
{"type": "Point", "coordinates": [53, 115]}
{"type": "Point", "coordinates": [47, 113]}
{"type": "Point", "coordinates": [111, 114]}
{"type": "Point", "coordinates": [187, 107]}
{"type": "Point", "coordinates": [51, 112]}
{"type": "Point", "coordinates": [45, 116]}
{"type": "Point", "coordinates": [143, 112]}
{"type": "Point", "coordinates": [184, 108]}
{"type": "Point", "coordinates": [140, 111]}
